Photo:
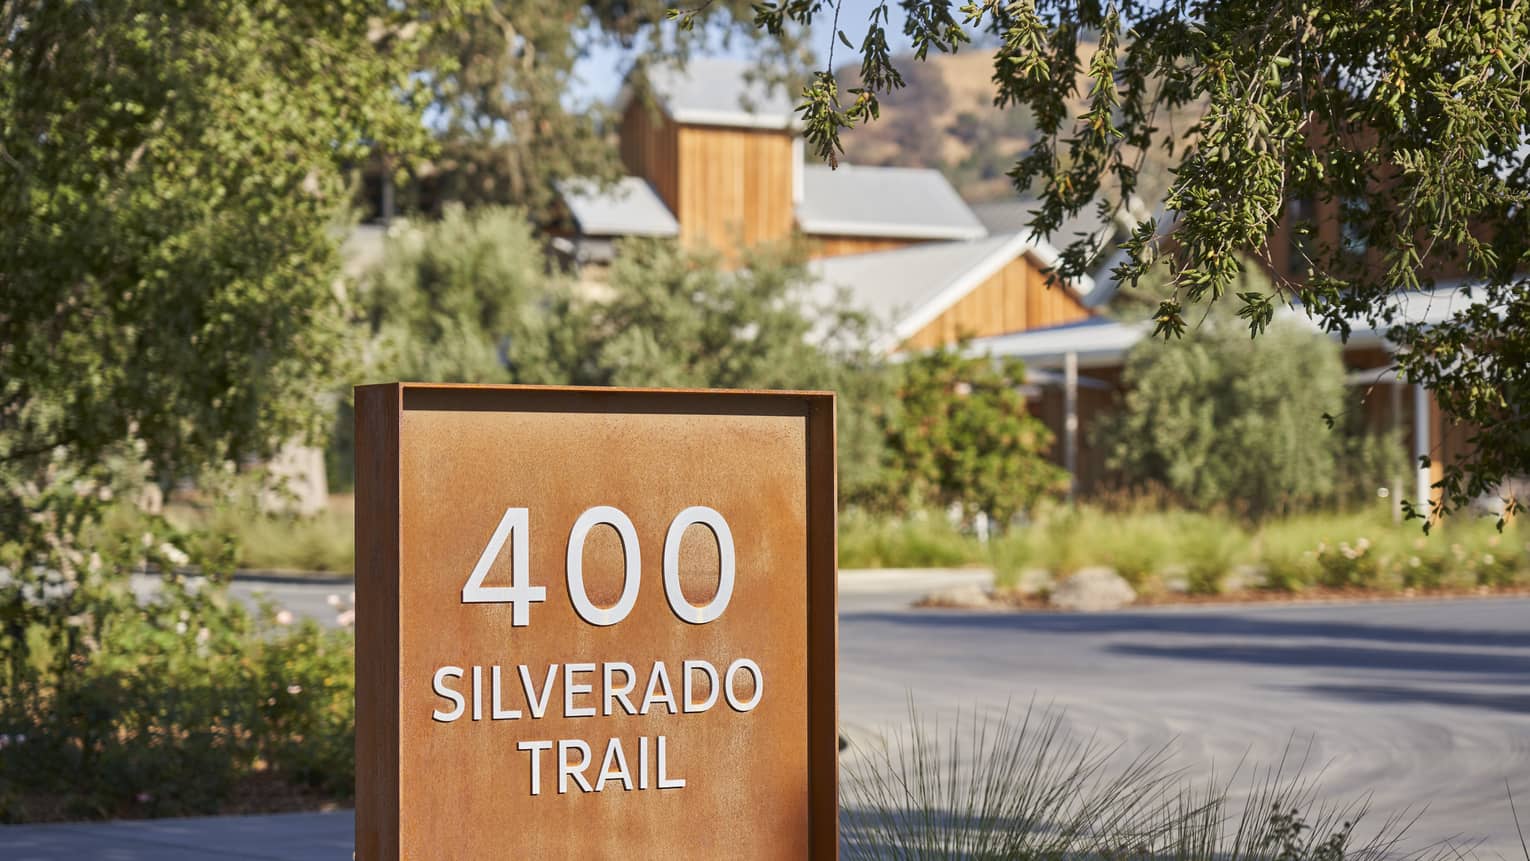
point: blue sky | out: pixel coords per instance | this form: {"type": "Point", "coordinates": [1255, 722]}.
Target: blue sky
{"type": "Point", "coordinates": [599, 75]}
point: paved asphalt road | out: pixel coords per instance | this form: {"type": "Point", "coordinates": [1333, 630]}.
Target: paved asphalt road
{"type": "Point", "coordinates": [1405, 701]}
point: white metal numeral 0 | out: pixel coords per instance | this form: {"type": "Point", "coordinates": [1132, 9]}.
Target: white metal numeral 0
{"type": "Point", "coordinates": [715, 522]}
{"type": "Point", "coordinates": [520, 594]}
{"type": "Point", "coordinates": [632, 571]}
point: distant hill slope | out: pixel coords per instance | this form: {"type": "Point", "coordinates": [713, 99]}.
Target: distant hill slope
{"type": "Point", "coordinates": [945, 118]}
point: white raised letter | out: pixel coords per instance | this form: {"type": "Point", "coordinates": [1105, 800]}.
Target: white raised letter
{"type": "Point", "coordinates": [571, 690]}
{"type": "Point", "coordinates": [759, 684]}
{"type": "Point", "coordinates": [664, 781]}
{"type": "Point", "coordinates": [614, 755]}
{"type": "Point", "coordinates": [520, 594]}
{"type": "Point", "coordinates": [447, 693]}
{"type": "Point", "coordinates": [536, 748]}
{"type": "Point", "coordinates": [477, 692]}
{"type": "Point", "coordinates": [691, 706]}
{"type": "Point", "coordinates": [725, 574]}
{"type": "Point", "coordinates": [631, 572]}
{"type": "Point", "coordinates": [565, 770]}
{"type": "Point", "coordinates": [619, 694]}
{"type": "Point", "coordinates": [538, 706]}
{"type": "Point", "coordinates": [501, 713]}
{"type": "Point", "coordinates": [659, 676]}
{"type": "Point", "coordinates": [642, 762]}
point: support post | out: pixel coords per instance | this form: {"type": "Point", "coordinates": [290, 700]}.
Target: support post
{"type": "Point", "coordinates": [385, 209]}
{"type": "Point", "coordinates": [1070, 421]}
{"type": "Point", "coordinates": [1421, 445]}
{"type": "Point", "coordinates": [1397, 477]}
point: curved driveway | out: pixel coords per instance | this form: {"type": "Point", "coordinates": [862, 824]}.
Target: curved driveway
{"type": "Point", "coordinates": [1411, 702]}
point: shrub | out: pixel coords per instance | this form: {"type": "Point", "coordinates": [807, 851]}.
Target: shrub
{"type": "Point", "coordinates": [118, 705]}
{"type": "Point", "coordinates": [1362, 550]}
{"type": "Point", "coordinates": [1144, 547]}
{"type": "Point", "coordinates": [324, 541]}
{"type": "Point", "coordinates": [1226, 422]}
{"type": "Point", "coordinates": [470, 299]}
{"type": "Point", "coordinates": [463, 299]}
{"type": "Point", "coordinates": [960, 439]}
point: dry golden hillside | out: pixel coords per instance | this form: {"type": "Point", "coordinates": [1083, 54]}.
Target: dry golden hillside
{"type": "Point", "coordinates": [945, 118]}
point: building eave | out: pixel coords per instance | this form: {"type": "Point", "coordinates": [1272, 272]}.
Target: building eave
{"type": "Point", "coordinates": [922, 315]}
{"type": "Point", "coordinates": [930, 232]}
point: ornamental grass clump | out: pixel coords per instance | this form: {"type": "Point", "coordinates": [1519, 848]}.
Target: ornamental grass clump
{"type": "Point", "coordinates": [1026, 787]}
{"type": "Point", "coordinates": [980, 787]}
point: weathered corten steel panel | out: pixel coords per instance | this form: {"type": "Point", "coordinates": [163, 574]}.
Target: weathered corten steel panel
{"type": "Point", "coordinates": [441, 469]}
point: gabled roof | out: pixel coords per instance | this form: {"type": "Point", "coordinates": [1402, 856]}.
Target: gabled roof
{"type": "Point", "coordinates": [909, 287]}
{"type": "Point", "coordinates": [717, 91]}
{"type": "Point", "coordinates": [894, 202]}
{"type": "Point", "coordinates": [629, 208]}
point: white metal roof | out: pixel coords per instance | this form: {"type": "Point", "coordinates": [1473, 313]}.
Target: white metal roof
{"type": "Point", "coordinates": [1102, 342]}
{"type": "Point", "coordinates": [899, 202]}
{"type": "Point", "coordinates": [1097, 341]}
{"type": "Point", "coordinates": [629, 208]}
{"type": "Point", "coordinates": [718, 91]}
{"type": "Point", "coordinates": [909, 287]}
{"type": "Point", "coordinates": [1428, 307]}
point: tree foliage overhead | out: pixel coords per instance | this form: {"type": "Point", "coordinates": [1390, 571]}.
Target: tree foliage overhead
{"type": "Point", "coordinates": [170, 178]}
{"type": "Point", "coordinates": [1410, 118]}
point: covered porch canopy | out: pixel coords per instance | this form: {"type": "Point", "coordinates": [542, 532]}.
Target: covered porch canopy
{"type": "Point", "coordinates": [1100, 342]}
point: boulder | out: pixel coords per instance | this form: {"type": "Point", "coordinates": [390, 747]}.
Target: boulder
{"type": "Point", "coordinates": [1093, 589]}
{"type": "Point", "coordinates": [968, 597]}
{"type": "Point", "coordinates": [1034, 581]}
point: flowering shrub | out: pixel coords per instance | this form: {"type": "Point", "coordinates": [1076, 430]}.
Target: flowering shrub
{"type": "Point", "coordinates": [134, 687]}
{"type": "Point", "coordinates": [1351, 553]}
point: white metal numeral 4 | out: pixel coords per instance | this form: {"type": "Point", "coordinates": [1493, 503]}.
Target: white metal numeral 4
{"type": "Point", "coordinates": [520, 594]}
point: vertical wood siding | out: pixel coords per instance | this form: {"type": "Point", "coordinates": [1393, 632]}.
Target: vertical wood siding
{"type": "Point", "coordinates": [735, 188]}
{"type": "Point", "coordinates": [1014, 299]}
{"type": "Point", "coordinates": [650, 150]}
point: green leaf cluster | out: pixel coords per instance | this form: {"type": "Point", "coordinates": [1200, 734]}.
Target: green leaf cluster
{"type": "Point", "coordinates": [170, 177]}
{"type": "Point", "coordinates": [467, 298]}
{"type": "Point", "coordinates": [959, 438]}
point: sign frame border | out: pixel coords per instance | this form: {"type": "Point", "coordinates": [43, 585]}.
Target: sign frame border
{"type": "Point", "coordinates": [379, 412]}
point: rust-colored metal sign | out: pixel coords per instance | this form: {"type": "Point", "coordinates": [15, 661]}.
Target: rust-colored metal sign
{"type": "Point", "coordinates": [594, 623]}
